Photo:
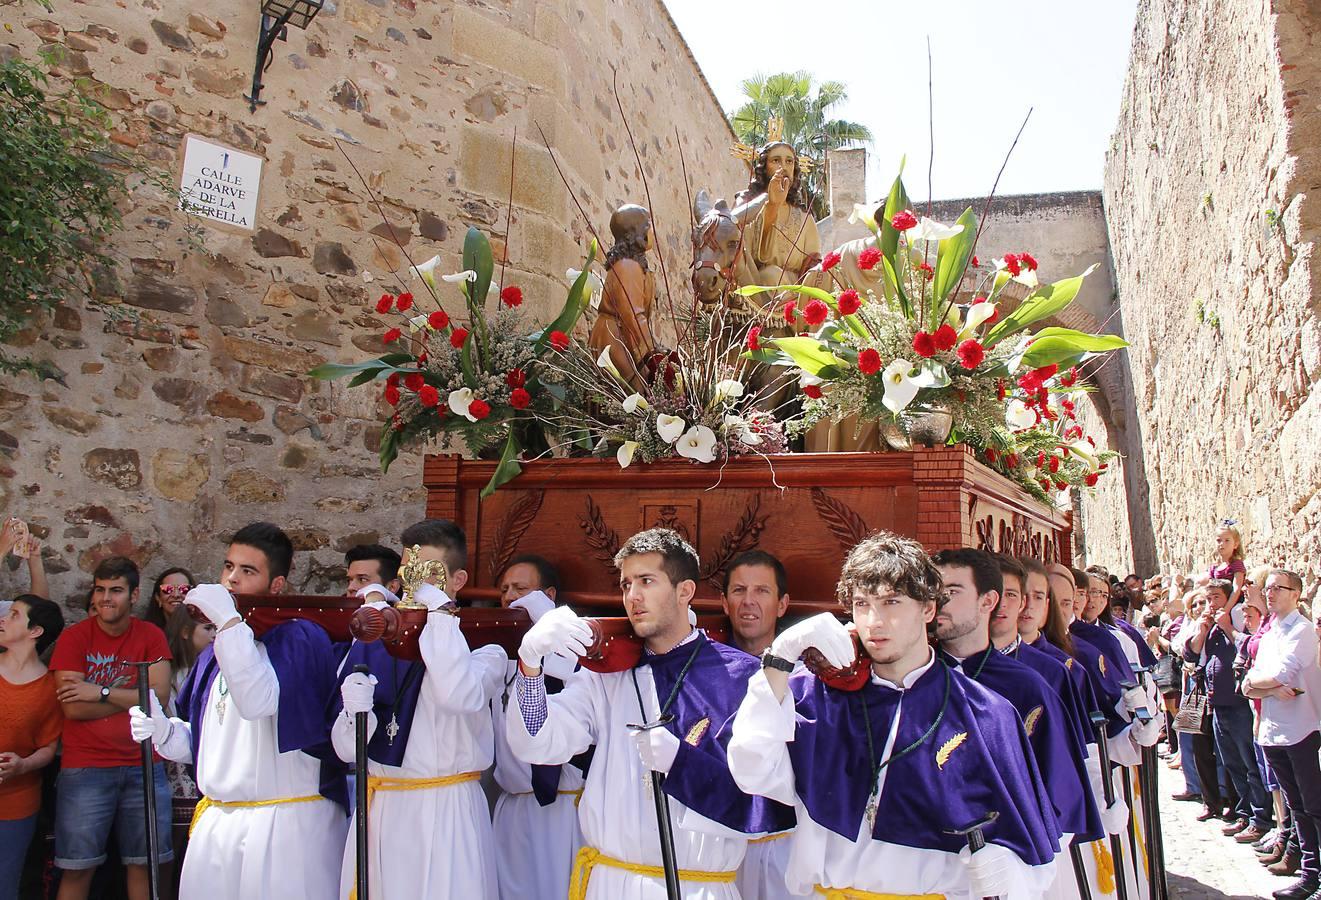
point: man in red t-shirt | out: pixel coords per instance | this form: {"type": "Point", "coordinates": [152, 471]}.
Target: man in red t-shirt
{"type": "Point", "coordinates": [100, 781]}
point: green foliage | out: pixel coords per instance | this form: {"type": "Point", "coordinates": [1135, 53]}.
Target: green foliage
{"type": "Point", "coordinates": [801, 110]}
{"type": "Point", "coordinates": [61, 181]}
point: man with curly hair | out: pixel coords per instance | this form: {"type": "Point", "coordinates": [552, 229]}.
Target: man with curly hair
{"type": "Point", "coordinates": [885, 776]}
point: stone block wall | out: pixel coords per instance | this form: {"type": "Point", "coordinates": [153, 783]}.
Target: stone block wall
{"type": "Point", "coordinates": [186, 411]}
{"type": "Point", "coordinates": [1213, 223]}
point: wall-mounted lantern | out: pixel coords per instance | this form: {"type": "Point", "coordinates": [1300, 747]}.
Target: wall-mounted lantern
{"type": "Point", "coordinates": [276, 16]}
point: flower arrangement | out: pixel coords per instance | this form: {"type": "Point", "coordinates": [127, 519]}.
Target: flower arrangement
{"type": "Point", "coordinates": [903, 344]}
{"type": "Point", "coordinates": [483, 381]}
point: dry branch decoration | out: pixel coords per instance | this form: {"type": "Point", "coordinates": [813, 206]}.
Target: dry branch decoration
{"type": "Point", "coordinates": [601, 538]}
{"type": "Point", "coordinates": [516, 524]}
{"type": "Point", "coordinates": [845, 524]}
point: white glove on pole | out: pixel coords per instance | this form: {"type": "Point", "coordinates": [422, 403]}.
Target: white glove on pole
{"type": "Point", "coordinates": [432, 597]}
{"type": "Point", "coordinates": [214, 602]}
{"type": "Point", "coordinates": [536, 603]}
{"type": "Point", "coordinates": [822, 631]}
{"type": "Point", "coordinates": [656, 747]}
{"type": "Point", "coordinates": [1145, 734]}
{"type": "Point", "coordinates": [1115, 817]}
{"type": "Point", "coordinates": [990, 870]}
{"type": "Point", "coordinates": [170, 737]}
{"type": "Point", "coordinates": [558, 631]}
{"type": "Point", "coordinates": [382, 593]}
{"type": "Point", "coordinates": [1135, 698]}
{"type": "Point", "coordinates": [359, 693]}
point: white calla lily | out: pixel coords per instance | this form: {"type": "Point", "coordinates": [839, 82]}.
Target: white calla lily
{"type": "Point", "coordinates": [1018, 416]}
{"type": "Point", "coordinates": [978, 313]}
{"type": "Point", "coordinates": [467, 275]}
{"type": "Point", "coordinates": [864, 214]}
{"type": "Point", "coordinates": [931, 231]}
{"type": "Point", "coordinates": [669, 427]}
{"type": "Point", "coordinates": [594, 284]}
{"type": "Point", "coordinates": [1086, 453]}
{"type": "Point", "coordinates": [419, 323]}
{"type": "Point", "coordinates": [1026, 277]}
{"type": "Point", "coordinates": [427, 271]}
{"type": "Point", "coordinates": [459, 401]}
{"type": "Point", "coordinates": [729, 389]}
{"type": "Point", "coordinates": [804, 380]}
{"type": "Point", "coordinates": [900, 388]}
{"type": "Point", "coordinates": [605, 362]}
{"type": "Point", "coordinates": [697, 443]}
{"type": "Point", "coordinates": [625, 453]}
{"type": "Point", "coordinates": [635, 402]}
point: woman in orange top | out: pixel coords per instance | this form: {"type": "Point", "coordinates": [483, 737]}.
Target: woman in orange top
{"type": "Point", "coordinates": [29, 727]}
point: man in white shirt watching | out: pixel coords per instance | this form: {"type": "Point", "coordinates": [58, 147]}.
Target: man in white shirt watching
{"type": "Point", "coordinates": [1287, 678]}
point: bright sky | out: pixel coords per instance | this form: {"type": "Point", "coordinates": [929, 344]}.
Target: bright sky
{"type": "Point", "coordinates": [1066, 59]}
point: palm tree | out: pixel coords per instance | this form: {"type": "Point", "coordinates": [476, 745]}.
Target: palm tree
{"type": "Point", "coordinates": [788, 102]}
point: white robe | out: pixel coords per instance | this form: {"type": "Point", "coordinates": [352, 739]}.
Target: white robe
{"type": "Point", "coordinates": [290, 851]}
{"type": "Point", "coordinates": [535, 844]}
{"type": "Point", "coordinates": [759, 759]}
{"type": "Point", "coordinates": [434, 842]}
{"type": "Point", "coordinates": [617, 811]}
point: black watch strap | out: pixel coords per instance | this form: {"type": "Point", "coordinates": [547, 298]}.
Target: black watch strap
{"type": "Point", "coordinates": [770, 661]}
{"type": "Point", "coordinates": [105, 693]}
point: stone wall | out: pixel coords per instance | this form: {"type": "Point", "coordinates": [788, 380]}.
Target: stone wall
{"type": "Point", "coordinates": [186, 413]}
{"type": "Point", "coordinates": [1213, 228]}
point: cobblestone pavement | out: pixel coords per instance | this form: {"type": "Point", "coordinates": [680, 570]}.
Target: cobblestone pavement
{"type": "Point", "coordinates": [1203, 864]}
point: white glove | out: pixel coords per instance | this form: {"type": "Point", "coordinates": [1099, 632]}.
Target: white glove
{"type": "Point", "coordinates": [990, 870]}
{"type": "Point", "coordinates": [656, 747]}
{"type": "Point", "coordinates": [824, 632]}
{"type": "Point", "coordinates": [432, 597]}
{"type": "Point", "coordinates": [1135, 698]}
{"type": "Point", "coordinates": [214, 602]}
{"type": "Point", "coordinates": [359, 693]}
{"type": "Point", "coordinates": [1145, 734]}
{"type": "Point", "coordinates": [155, 726]}
{"type": "Point", "coordinates": [558, 631]}
{"type": "Point", "coordinates": [1115, 817]}
{"type": "Point", "coordinates": [384, 594]}
{"type": "Point", "coordinates": [536, 603]}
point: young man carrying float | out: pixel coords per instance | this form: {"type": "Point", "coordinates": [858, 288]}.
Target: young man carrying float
{"type": "Point", "coordinates": [684, 680]}
{"type": "Point", "coordinates": [430, 738]}
{"type": "Point", "coordinates": [254, 720]}
{"type": "Point", "coordinates": [884, 777]}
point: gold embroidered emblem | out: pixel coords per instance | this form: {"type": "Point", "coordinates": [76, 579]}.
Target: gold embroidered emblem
{"type": "Point", "coordinates": [1030, 723]}
{"type": "Point", "coordinates": [1101, 662]}
{"type": "Point", "coordinates": [695, 733]}
{"type": "Point", "coordinates": [943, 754]}
{"type": "Point", "coordinates": [1068, 663]}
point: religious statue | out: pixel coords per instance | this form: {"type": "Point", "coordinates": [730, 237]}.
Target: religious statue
{"type": "Point", "coordinates": [780, 242]}
{"type": "Point", "coordinates": [623, 322]}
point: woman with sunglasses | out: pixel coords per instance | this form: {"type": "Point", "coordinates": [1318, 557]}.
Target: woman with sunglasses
{"type": "Point", "coordinates": [167, 594]}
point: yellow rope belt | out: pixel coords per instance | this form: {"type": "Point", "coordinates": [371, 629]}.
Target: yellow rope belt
{"type": "Point", "coordinates": [589, 858]}
{"type": "Point", "coordinates": [771, 837]}
{"type": "Point", "coordinates": [381, 783]}
{"type": "Point", "coordinates": [856, 894]}
{"type": "Point", "coordinates": [1105, 867]}
{"type": "Point", "coordinates": [206, 803]}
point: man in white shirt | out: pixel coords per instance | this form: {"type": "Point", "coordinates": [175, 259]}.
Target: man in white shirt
{"type": "Point", "coordinates": [1286, 677]}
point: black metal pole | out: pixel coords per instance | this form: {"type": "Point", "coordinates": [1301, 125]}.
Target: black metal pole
{"type": "Point", "coordinates": [1080, 871]}
{"type": "Point", "coordinates": [149, 785]}
{"type": "Point", "coordinates": [1108, 793]}
{"type": "Point", "coordinates": [973, 834]}
{"type": "Point", "coordinates": [666, 827]}
{"type": "Point", "coordinates": [360, 791]}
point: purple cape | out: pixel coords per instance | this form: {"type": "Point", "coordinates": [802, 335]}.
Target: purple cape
{"type": "Point", "coordinates": [1107, 667]}
{"type": "Point", "coordinates": [398, 686]}
{"type": "Point", "coordinates": [304, 662]}
{"type": "Point", "coordinates": [1145, 656]}
{"type": "Point", "coordinates": [978, 760]}
{"type": "Point", "coordinates": [703, 711]}
{"type": "Point", "coordinates": [1056, 674]}
{"type": "Point", "coordinates": [1061, 759]}
{"type": "Point", "coordinates": [1082, 683]}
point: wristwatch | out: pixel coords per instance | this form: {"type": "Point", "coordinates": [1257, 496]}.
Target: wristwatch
{"type": "Point", "coordinates": [105, 694]}
{"type": "Point", "coordinates": [770, 661]}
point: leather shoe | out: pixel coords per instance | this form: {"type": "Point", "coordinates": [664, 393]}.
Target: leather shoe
{"type": "Point", "coordinates": [1289, 866]}
{"type": "Point", "coordinates": [1270, 859]}
{"type": "Point", "coordinates": [1268, 841]}
{"type": "Point", "coordinates": [1188, 797]}
{"type": "Point", "coordinates": [1207, 814]}
{"type": "Point", "coordinates": [1250, 835]}
{"type": "Point", "coordinates": [1237, 826]}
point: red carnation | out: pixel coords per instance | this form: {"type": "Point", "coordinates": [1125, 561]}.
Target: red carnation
{"type": "Point", "coordinates": [438, 319]}
{"type": "Point", "coordinates": [1046, 372]}
{"type": "Point", "coordinates": [926, 267]}
{"type": "Point", "coordinates": [516, 378]}
{"type": "Point", "coordinates": [421, 360]}
{"type": "Point", "coordinates": [1028, 260]}
{"type": "Point", "coordinates": [991, 455]}
{"type": "Point", "coordinates": [512, 295]}
{"type": "Point", "coordinates": [1029, 382]}
{"type": "Point", "coordinates": [868, 259]}
{"type": "Point", "coordinates": [479, 409]}
{"type": "Point", "coordinates": [392, 395]}
{"type": "Point", "coordinates": [1045, 484]}
{"type": "Point", "coordinates": [924, 345]}
{"type": "Point", "coordinates": [1091, 478]}
{"type": "Point", "coordinates": [559, 341]}
{"type": "Point", "coordinates": [974, 260]}
{"type": "Point", "coordinates": [1011, 263]}
{"type": "Point", "coordinates": [829, 261]}
{"type": "Point", "coordinates": [414, 381]}
{"type": "Point", "coordinates": [428, 396]}
{"type": "Point", "coordinates": [1011, 460]}
{"type": "Point", "coordinates": [813, 391]}
{"type": "Point", "coordinates": [383, 305]}
{"type": "Point", "coordinates": [392, 335]}
{"type": "Point", "coordinates": [971, 354]}
{"type": "Point", "coordinates": [753, 333]}
{"type": "Point", "coordinates": [1073, 433]}
{"type": "Point", "coordinates": [1061, 485]}
{"type": "Point", "coordinates": [946, 337]}
{"type": "Point", "coordinates": [815, 312]}
{"type": "Point", "coordinates": [518, 399]}
{"type": "Point", "coordinates": [849, 303]}
{"type": "Point", "coordinates": [457, 337]}
{"type": "Point", "coordinates": [405, 302]}
{"type": "Point", "coordinates": [1041, 458]}
{"type": "Point", "coordinates": [1069, 377]}
{"type": "Point", "coordinates": [393, 379]}
{"type": "Point", "coordinates": [903, 221]}
{"type": "Point", "coordinates": [869, 362]}
{"type": "Point", "coordinates": [1053, 464]}
{"type": "Point", "coordinates": [790, 309]}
